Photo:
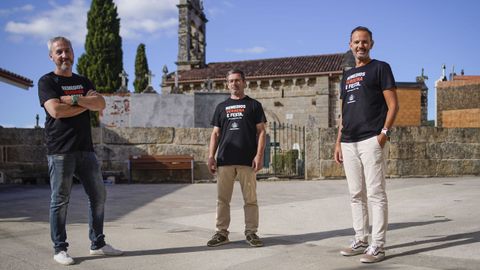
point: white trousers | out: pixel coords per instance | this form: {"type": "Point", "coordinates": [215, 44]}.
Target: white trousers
{"type": "Point", "coordinates": [364, 164]}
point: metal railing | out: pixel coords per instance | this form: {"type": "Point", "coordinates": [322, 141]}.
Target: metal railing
{"type": "Point", "coordinates": [284, 152]}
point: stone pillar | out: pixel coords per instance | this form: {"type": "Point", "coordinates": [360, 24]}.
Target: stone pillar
{"type": "Point", "coordinates": [191, 35]}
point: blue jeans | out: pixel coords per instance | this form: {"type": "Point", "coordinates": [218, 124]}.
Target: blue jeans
{"type": "Point", "coordinates": [62, 168]}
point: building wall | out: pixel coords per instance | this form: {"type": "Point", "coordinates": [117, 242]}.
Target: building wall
{"type": "Point", "coordinates": [467, 118]}
{"type": "Point", "coordinates": [303, 101]}
{"type": "Point", "coordinates": [410, 107]}
{"type": "Point", "coordinates": [154, 110]}
{"type": "Point", "coordinates": [456, 95]}
{"type": "Point", "coordinates": [411, 152]}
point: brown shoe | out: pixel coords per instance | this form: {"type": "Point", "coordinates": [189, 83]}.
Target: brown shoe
{"type": "Point", "coordinates": [357, 247]}
{"type": "Point", "coordinates": [217, 240]}
{"type": "Point", "coordinates": [253, 240]}
{"type": "Point", "coordinates": [373, 254]}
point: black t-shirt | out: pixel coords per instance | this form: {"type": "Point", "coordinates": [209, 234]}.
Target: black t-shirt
{"type": "Point", "coordinates": [237, 120]}
{"type": "Point", "coordinates": [66, 135]}
{"type": "Point", "coordinates": [364, 108]}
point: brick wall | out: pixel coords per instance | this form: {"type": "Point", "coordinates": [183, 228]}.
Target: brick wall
{"type": "Point", "coordinates": [456, 95]}
{"type": "Point", "coordinates": [467, 118]}
{"type": "Point", "coordinates": [410, 107]}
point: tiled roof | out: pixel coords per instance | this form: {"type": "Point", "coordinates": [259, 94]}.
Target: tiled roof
{"type": "Point", "coordinates": [466, 78]}
{"type": "Point", "coordinates": [266, 68]}
{"type": "Point", "coordinates": [411, 85]}
{"type": "Point", "coordinates": [15, 79]}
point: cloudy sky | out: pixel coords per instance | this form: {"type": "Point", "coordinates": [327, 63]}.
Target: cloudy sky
{"type": "Point", "coordinates": [408, 34]}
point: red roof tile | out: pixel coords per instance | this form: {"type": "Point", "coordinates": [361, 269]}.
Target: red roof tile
{"type": "Point", "coordinates": [466, 78]}
{"type": "Point", "coordinates": [266, 68]}
{"type": "Point", "coordinates": [15, 78]}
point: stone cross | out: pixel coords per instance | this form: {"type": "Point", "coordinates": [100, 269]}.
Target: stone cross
{"type": "Point", "coordinates": [124, 77]}
{"type": "Point", "coordinates": [123, 87]}
{"type": "Point", "coordinates": [37, 118]}
{"type": "Point", "coordinates": [149, 75]}
{"type": "Point", "coordinates": [149, 88]}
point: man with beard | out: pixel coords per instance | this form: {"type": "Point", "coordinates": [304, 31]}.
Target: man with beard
{"type": "Point", "coordinates": [68, 99]}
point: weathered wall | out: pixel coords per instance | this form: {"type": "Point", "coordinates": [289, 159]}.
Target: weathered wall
{"type": "Point", "coordinates": [411, 152]}
{"type": "Point", "coordinates": [154, 110]}
{"type": "Point", "coordinates": [22, 155]}
{"type": "Point", "coordinates": [310, 101]}
{"type": "Point", "coordinates": [205, 104]}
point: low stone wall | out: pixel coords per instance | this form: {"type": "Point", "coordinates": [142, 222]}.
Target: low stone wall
{"type": "Point", "coordinates": [411, 152]}
{"type": "Point", "coordinates": [22, 156]}
{"type": "Point", "coordinates": [114, 145]}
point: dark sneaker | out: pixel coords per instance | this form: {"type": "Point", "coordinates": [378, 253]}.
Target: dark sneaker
{"type": "Point", "coordinates": [373, 254]}
{"type": "Point", "coordinates": [356, 248]}
{"type": "Point", "coordinates": [217, 240]}
{"type": "Point", "coordinates": [253, 240]}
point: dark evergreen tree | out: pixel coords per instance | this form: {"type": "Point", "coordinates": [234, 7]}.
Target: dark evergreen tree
{"type": "Point", "coordinates": [141, 69]}
{"type": "Point", "coordinates": [103, 57]}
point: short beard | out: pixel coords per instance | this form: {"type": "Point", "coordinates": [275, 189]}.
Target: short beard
{"type": "Point", "coordinates": [64, 67]}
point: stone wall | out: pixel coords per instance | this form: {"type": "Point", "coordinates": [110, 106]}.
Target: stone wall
{"type": "Point", "coordinates": [310, 101]}
{"type": "Point", "coordinates": [22, 155]}
{"type": "Point", "coordinates": [412, 152]}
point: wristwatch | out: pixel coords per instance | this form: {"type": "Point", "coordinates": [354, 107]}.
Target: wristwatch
{"type": "Point", "coordinates": [387, 132]}
{"type": "Point", "coordinates": [75, 100]}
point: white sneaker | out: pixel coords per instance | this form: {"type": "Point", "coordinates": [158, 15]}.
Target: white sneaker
{"type": "Point", "coordinates": [63, 258]}
{"type": "Point", "coordinates": [106, 250]}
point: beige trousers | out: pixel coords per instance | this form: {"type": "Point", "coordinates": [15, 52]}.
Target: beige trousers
{"type": "Point", "coordinates": [225, 182]}
{"type": "Point", "coordinates": [364, 165]}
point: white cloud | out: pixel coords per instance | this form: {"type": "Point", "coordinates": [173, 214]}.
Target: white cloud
{"type": "Point", "coordinates": [215, 8]}
{"type": "Point", "coordinates": [252, 50]}
{"type": "Point", "coordinates": [138, 20]}
{"type": "Point", "coordinates": [24, 8]}
{"type": "Point", "coordinates": [144, 18]}
{"type": "Point", "coordinates": [68, 20]}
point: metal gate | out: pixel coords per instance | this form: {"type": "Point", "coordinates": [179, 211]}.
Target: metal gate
{"type": "Point", "coordinates": [284, 151]}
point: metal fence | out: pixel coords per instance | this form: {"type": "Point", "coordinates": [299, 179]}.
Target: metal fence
{"type": "Point", "coordinates": [284, 151]}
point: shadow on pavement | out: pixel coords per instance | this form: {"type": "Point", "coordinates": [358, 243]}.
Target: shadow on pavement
{"type": "Point", "coordinates": [31, 203]}
{"type": "Point", "coordinates": [445, 242]}
{"type": "Point", "coordinates": [269, 241]}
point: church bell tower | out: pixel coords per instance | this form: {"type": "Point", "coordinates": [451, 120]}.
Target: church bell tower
{"type": "Point", "coordinates": [191, 35]}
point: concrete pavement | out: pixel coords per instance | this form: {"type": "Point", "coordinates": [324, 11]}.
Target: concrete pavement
{"type": "Point", "coordinates": [434, 224]}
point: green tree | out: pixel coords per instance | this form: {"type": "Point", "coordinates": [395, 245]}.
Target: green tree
{"type": "Point", "coordinates": [103, 57]}
{"type": "Point", "coordinates": [141, 69]}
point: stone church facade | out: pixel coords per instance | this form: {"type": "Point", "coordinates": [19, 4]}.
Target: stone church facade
{"type": "Point", "coordinates": [302, 90]}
